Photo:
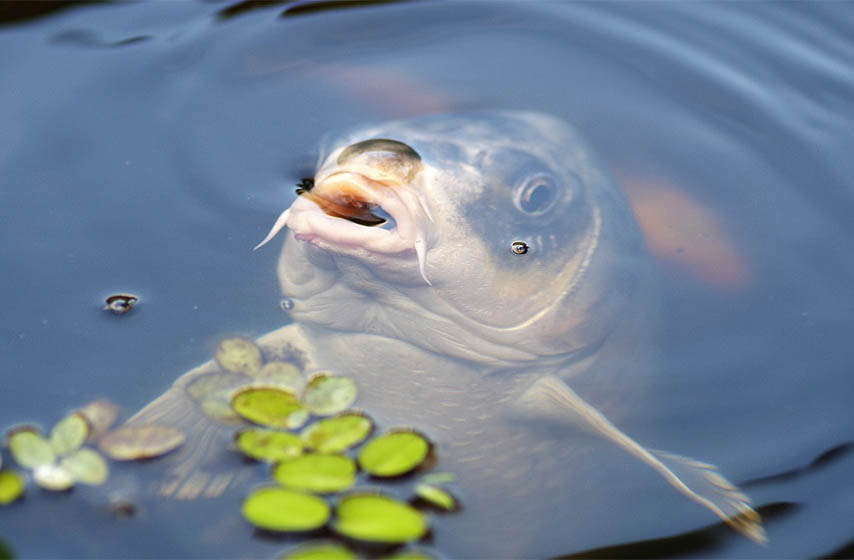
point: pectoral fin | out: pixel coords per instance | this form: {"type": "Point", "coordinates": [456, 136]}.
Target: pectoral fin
{"type": "Point", "coordinates": [549, 397]}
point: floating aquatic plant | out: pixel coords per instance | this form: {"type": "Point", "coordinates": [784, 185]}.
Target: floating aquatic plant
{"type": "Point", "coordinates": [378, 518]}
{"type": "Point", "coordinates": [317, 473]}
{"type": "Point", "coordinates": [326, 394]}
{"type": "Point", "coordinates": [11, 486]}
{"type": "Point", "coordinates": [147, 441]}
{"type": "Point", "coordinates": [322, 550]}
{"type": "Point", "coordinates": [337, 434]}
{"type": "Point", "coordinates": [60, 461]}
{"type": "Point", "coordinates": [268, 445]}
{"type": "Point", "coordinates": [239, 355]}
{"type": "Point", "coordinates": [394, 453]}
{"type": "Point", "coordinates": [281, 374]}
{"type": "Point", "coordinates": [270, 406]}
{"type": "Point", "coordinates": [278, 509]}
{"type": "Point", "coordinates": [436, 497]}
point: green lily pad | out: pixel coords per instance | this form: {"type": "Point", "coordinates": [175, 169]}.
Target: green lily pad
{"type": "Point", "coordinates": [378, 518]}
{"type": "Point", "coordinates": [280, 509]}
{"type": "Point", "coordinates": [325, 395]}
{"type": "Point", "coordinates": [53, 477]}
{"type": "Point", "coordinates": [69, 434]}
{"type": "Point", "coordinates": [86, 466]}
{"type": "Point", "coordinates": [281, 374]}
{"type": "Point", "coordinates": [11, 486]}
{"type": "Point", "coordinates": [394, 453]}
{"type": "Point", "coordinates": [268, 445]}
{"type": "Point", "coordinates": [130, 443]}
{"type": "Point", "coordinates": [317, 473]}
{"type": "Point", "coordinates": [239, 355]}
{"type": "Point", "coordinates": [337, 434]}
{"type": "Point", "coordinates": [319, 551]}
{"type": "Point", "coordinates": [29, 448]}
{"type": "Point", "coordinates": [436, 497]}
{"type": "Point", "coordinates": [269, 406]}
{"type": "Point", "coordinates": [100, 415]}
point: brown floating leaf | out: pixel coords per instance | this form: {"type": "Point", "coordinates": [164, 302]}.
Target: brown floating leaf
{"type": "Point", "coordinates": [140, 442]}
{"type": "Point", "coordinates": [100, 414]}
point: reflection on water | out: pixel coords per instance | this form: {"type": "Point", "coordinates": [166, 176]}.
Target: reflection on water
{"type": "Point", "coordinates": [154, 168]}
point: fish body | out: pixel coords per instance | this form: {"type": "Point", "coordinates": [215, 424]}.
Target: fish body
{"type": "Point", "coordinates": [401, 269]}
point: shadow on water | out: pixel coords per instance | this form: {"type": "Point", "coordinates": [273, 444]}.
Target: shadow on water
{"type": "Point", "coordinates": [21, 11]}
{"type": "Point", "coordinates": [298, 8]}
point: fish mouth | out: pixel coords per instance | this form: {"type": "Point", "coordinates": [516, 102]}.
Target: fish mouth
{"type": "Point", "coordinates": [346, 210]}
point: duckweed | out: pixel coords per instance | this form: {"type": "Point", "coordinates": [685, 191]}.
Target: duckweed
{"type": "Point", "coordinates": [239, 355]}
{"type": "Point", "coordinates": [11, 486]}
{"type": "Point", "coordinates": [270, 406]}
{"type": "Point", "coordinates": [29, 448]}
{"type": "Point", "coordinates": [337, 434]}
{"type": "Point", "coordinates": [130, 443]}
{"type": "Point", "coordinates": [329, 394]}
{"type": "Point", "coordinates": [268, 445]}
{"type": "Point", "coordinates": [436, 497]}
{"type": "Point", "coordinates": [69, 434]}
{"type": "Point", "coordinates": [378, 518]}
{"type": "Point", "coordinates": [319, 551]}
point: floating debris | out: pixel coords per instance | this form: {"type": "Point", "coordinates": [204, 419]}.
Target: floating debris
{"type": "Point", "coordinates": [280, 509]}
{"type": "Point", "coordinates": [317, 473]}
{"type": "Point", "coordinates": [394, 453]}
{"type": "Point", "coordinates": [378, 518]}
{"type": "Point", "coordinates": [329, 394]}
{"type": "Point", "coordinates": [270, 406]}
{"type": "Point", "coordinates": [323, 550]}
{"type": "Point", "coordinates": [436, 497]}
{"type": "Point", "coordinates": [11, 486]}
{"type": "Point", "coordinates": [130, 443]}
{"type": "Point", "coordinates": [519, 247]}
{"type": "Point", "coordinates": [337, 434]}
{"type": "Point", "coordinates": [121, 303]}
{"type": "Point", "coordinates": [268, 445]}
{"type": "Point", "coordinates": [239, 355]}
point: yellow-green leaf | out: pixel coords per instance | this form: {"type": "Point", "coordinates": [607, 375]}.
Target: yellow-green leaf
{"type": "Point", "coordinates": [319, 551]}
{"type": "Point", "coordinates": [337, 434]}
{"type": "Point", "coordinates": [30, 449]}
{"type": "Point", "coordinates": [378, 518]}
{"type": "Point", "coordinates": [239, 355]}
{"type": "Point", "coordinates": [317, 473]}
{"type": "Point", "coordinates": [280, 509]}
{"type": "Point", "coordinates": [86, 466]}
{"type": "Point", "coordinates": [269, 406]}
{"type": "Point", "coordinates": [329, 394]}
{"type": "Point", "coordinates": [69, 434]}
{"type": "Point", "coordinates": [436, 497]}
{"type": "Point", "coordinates": [11, 486]}
{"type": "Point", "coordinates": [268, 445]}
{"type": "Point", "coordinates": [394, 453]}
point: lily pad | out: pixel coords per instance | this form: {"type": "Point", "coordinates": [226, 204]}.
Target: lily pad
{"type": "Point", "coordinates": [11, 486]}
{"type": "Point", "coordinates": [53, 477]}
{"type": "Point", "coordinates": [130, 443]}
{"type": "Point", "coordinates": [30, 449]}
{"type": "Point", "coordinates": [317, 473]}
{"type": "Point", "coordinates": [378, 518]}
{"type": "Point", "coordinates": [86, 466]}
{"type": "Point", "coordinates": [269, 406]}
{"type": "Point", "coordinates": [239, 355]}
{"type": "Point", "coordinates": [329, 394]}
{"type": "Point", "coordinates": [281, 374]}
{"type": "Point", "coordinates": [100, 415]}
{"type": "Point", "coordinates": [337, 434]}
{"type": "Point", "coordinates": [268, 445]}
{"type": "Point", "coordinates": [280, 509]}
{"type": "Point", "coordinates": [69, 434]}
{"type": "Point", "coordinates": [320, 551]}
{"type": "Point", "coordinates": [436, 497]}
{"type": "Point", "coordinates": [394, 453]}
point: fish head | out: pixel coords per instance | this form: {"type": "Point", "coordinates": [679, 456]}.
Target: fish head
{"type": "Point", "coordinates": [494, 237]}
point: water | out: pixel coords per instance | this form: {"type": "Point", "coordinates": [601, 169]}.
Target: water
{"type": "Point", "coordinates": [147, 148]}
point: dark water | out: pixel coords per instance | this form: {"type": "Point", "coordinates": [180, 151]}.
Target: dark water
{"type": "Point", "coordinates": [148, 147]}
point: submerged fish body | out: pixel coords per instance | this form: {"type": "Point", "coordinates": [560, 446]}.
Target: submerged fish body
{"type": "Point", "coordinates": [399, 270]}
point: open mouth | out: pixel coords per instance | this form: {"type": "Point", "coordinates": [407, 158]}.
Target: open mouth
{"type": "Point", "coordinates": [346, 209]}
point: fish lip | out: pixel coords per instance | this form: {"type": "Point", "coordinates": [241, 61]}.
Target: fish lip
{"type": "Point", "coordinates": [308, 221]}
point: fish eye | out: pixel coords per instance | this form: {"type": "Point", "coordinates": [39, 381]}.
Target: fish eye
{"type": "Point", "coordinates": [536, 195]}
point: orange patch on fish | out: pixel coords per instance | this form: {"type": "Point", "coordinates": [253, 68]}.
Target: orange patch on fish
{"type": "Point", "coordinates": [683, 233]}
